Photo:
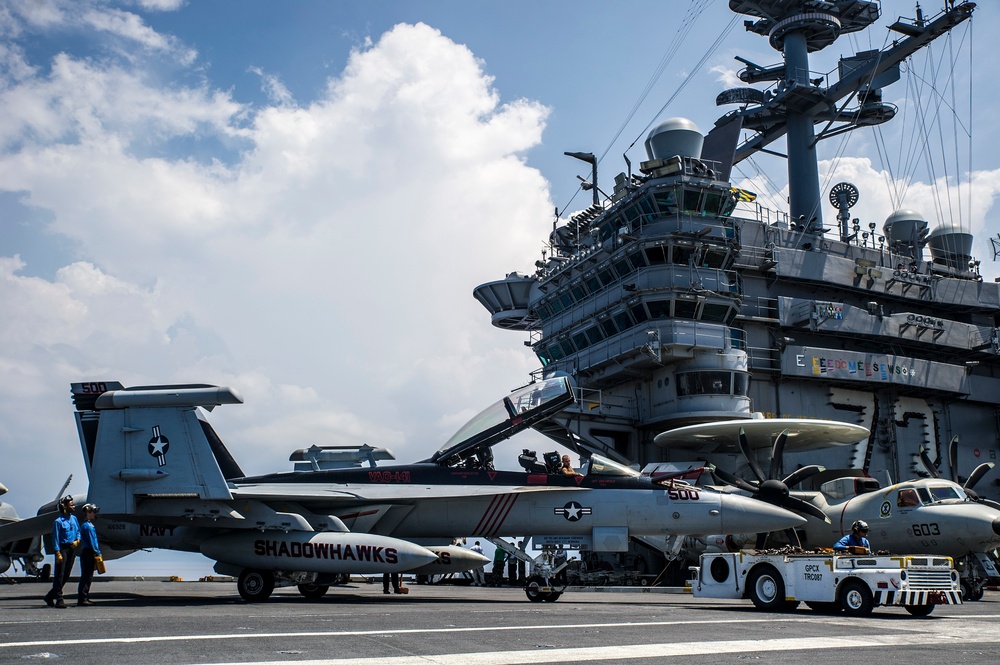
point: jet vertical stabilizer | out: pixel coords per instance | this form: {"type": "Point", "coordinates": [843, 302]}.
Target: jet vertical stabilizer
{"type": "Point", "coordinates": [150, 441]}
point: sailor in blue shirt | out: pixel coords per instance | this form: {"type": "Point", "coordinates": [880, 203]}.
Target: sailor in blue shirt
{"type": "Point", "coordinates": [65, 539]}
{"type": "Point", "coordinates": [858, 537]}
{"type": "Point", "coordinates": [90, 553]}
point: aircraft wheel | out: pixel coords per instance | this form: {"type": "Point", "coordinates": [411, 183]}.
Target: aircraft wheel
{"type": "Point", "coordinates": [856, 599]}
{"type": "Point", "coordinates": [919, 610]}
{"type": "Point", "coordinates": [977, 593]}
{"type": "Point", "coordinates": [313, 590]}
{"type": "Point", "coordinates": [766, 588]}
{"type": "Point", "coordinates": [255, 585]}
{"type": "Point", "coordinates": [533, 590]}
{"type": "Point", "coordinates": [552, 596]}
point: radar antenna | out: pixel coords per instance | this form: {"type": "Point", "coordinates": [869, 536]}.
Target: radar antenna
{"type": "Point", "coordinates": [843, 196]}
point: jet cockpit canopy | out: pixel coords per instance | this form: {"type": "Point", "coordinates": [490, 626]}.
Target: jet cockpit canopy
{"type": "Point", "coordinates": [521, 409]}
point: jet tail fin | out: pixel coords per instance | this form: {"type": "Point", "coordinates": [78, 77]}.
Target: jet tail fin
{"type": "Point", "coordinates": [152, 442]}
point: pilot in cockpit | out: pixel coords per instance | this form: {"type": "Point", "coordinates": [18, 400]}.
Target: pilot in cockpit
{"type": "Point", "coordinates": [567, 467]}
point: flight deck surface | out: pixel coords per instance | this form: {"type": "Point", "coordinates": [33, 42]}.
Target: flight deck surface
{"type": "Point", "coordinates": [208, 622]}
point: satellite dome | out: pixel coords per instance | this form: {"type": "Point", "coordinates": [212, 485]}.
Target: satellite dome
{"type": "Point", "coordinates": [951, 245]}
{"type": "Point", "coordinates": [674, 136]}
{"type": "Point", "coordinates": [905, 226]}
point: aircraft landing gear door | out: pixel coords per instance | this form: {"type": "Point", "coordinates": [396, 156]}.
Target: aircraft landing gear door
{"type": "Point", "coordinates": [718, 576]}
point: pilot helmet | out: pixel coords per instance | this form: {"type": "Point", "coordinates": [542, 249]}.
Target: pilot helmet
{"type": "Point", "coordinates": [859, 526]}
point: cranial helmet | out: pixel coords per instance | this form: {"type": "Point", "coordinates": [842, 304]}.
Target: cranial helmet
{"type": "Point", "coordinates": [64, 503]}
{"type": "Point", "coordinates": [859, 526]}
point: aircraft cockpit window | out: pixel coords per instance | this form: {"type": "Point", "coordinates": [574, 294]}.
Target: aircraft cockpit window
{"type": "Point", "coordinates": [602, 466]}
{"type": "Point", "coordinates": [907, 498]}
{"type": "Point", "coordinates": [519, 410]}
{"type": "Point", "coordinates": [945, 493]}
{"type": "Point", "coordinates": [925, 496]}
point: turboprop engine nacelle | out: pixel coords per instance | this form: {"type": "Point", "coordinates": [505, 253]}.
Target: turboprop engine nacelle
{"type": "Point", "coordinates": [451, 559]}
{"type": "Point", "coordinates": [324, 552]}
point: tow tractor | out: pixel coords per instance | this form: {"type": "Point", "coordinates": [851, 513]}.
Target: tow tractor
{"type": "Point", "coordinates": [777, 580]}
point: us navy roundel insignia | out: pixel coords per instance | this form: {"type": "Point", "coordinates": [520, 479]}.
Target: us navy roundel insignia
{"type": "Point", "coordinates": [572, 511]}
{"type": "Point", "coordinates": [158, 446]}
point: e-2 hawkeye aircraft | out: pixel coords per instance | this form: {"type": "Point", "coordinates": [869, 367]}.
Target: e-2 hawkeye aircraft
{"type": "Point", "coordinates": [164, 479]}
{"type": "Point", "coordinates": [922, 516]}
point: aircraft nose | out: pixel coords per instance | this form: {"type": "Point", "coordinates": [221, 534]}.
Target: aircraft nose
{"type": "Point", "coordinates": [741, 514]}
{"type": "Point", "coordinates": [996, 526]}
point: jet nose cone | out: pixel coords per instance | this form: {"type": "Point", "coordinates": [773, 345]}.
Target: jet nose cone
{"type": "Point", "coordinates": [741, 514]}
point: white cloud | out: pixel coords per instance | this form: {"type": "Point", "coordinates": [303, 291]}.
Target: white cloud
{"type": "Point", "coordinates": [326, 273]}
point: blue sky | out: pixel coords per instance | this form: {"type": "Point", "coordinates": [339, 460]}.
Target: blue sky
{"type": "Point", "coordinates": [297, 199]}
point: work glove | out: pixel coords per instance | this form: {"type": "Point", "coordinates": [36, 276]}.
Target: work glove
{"type": "Point", "coordinates": [58, 557]}
{"type": "Point", "coordinates": [75, 543]}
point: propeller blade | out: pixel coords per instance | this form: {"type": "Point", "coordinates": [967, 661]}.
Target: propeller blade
{"type": "Point", "coordinates": [797, 476]}
{"type": "Point", "coordinates": [928, 464]}
{"type": "Point", "coordinates": [734, 480]}
{"type": "Point", "coordinates": [977, 474]}
{"type": "Point", "coordinates": [989, 502]}
{"type": "Point", "coordinates": [751, 459]}
{"type": "Point", "coordinates": [802, 506]}
{"type": "Point", "coordinates": [953, 458]}
{"type": "Point", "coordinates": [777, 451]}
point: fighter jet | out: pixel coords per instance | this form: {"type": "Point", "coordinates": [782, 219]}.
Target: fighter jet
{"type": "Point", "coordinates": [164, 479]}
{"type": "Point", "coordinates": [921, 516]}
{"type": "Point", "coordinates": [21, 539]}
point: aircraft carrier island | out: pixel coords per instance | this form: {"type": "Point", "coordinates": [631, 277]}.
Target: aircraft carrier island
{"type": "Point", "coordinates": [679, 299]}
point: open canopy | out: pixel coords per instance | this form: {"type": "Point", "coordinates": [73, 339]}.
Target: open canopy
{"type": "Point", "coordinates": [502, 420]}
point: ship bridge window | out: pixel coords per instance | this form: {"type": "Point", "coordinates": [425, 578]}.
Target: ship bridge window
{"type": "Point", "coordinates": [607, 327]}
{"type": "Point", "coordinates": [717, 313]}
{"type": "Point", "coordinates": [578, 292]}
{"type": "Point", "coordinates": [715, 258]}
{"type": "Point", "coordinates": [686, 309]}
{"type": "Point", "coordinates": [657, 255]}
{"type": "Point", "coordinates": [693, 201]}
{"type": "Point", "coordinates": [667, 202]}
{"type": "Point", "coordinates": [716, 203]}
{"type": "Point", "coordinates": [659, 309]}
{"type": "Point", "coordinates": [605, 275]}
{"type": "Point", "coordinates": [593, 334]}
{"type": "Point", "coordinates": [945, 493]}
{"type": "Point", "coordinates": [622, 320]}
{"type": "Point", "coordinates": [580, 340]}
{"type": "Point", "coordinates": [593, 284]}
{"type": "Point", "coordinates": [622, 267]}
{"type": "Point", "coordinates": [638, 313]}
{"type": "Point", "coordinates": [704, 383]}
{"type": "Point", "coordinates": [741, 384]}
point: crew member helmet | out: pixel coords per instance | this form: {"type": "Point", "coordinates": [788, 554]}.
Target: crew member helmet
{"type": "Point", "coordinates": [859, 526]}
{"type": "Point", "coordinates": [91, 508]}
{"type": "Point", "coordinates": [64, 503]}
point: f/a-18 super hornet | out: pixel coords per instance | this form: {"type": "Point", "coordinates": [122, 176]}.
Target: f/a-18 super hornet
{"type": "Point", "coordinates": [164, 479]}
{"type": "Point", "coordinates": [931, 515]}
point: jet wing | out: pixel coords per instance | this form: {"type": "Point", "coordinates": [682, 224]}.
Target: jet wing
{"type": "Point", "coordinates": [403, 493]}
{"type": "Point", "coordinates": [30, 527]}
{"type": "Point", "coordinates": [723, 436]}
